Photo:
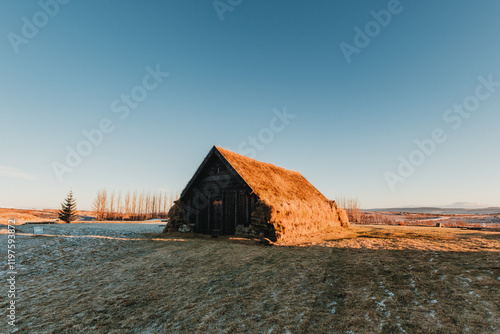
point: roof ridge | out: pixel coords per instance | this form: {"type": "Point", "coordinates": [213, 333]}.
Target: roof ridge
{"type": "Point", "coordinates": [234, 168]}
{"type": "Point", "coordinates": [255, 160]}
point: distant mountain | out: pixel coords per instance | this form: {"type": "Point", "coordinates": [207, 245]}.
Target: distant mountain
{"type": "Point", "coordinates": [465, 205]}
{"type": "Point", "coordinates": [414, 209]}
{"type": "Point", "coordinates": [449, 210]}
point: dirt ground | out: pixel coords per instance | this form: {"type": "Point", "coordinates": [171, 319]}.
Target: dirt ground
{"type": "Point", "coordinates": [123, 278]}
{"type": "Point", "coordinates": [477, 219]}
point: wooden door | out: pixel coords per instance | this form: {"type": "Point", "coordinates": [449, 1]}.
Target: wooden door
{"type": "Point", "coordinates": [217, 216]}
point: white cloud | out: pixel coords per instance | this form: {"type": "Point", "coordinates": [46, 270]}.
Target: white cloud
{"type": "Point", "coordinates": [15, 174]}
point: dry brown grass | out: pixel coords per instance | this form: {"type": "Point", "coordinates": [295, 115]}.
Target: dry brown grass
{"type": "Point", "coordinates": [26, 215]}
{"type": "Point", "coordinates": [22, 215]}
{"type": "Point", "coordinates": [372, 279]}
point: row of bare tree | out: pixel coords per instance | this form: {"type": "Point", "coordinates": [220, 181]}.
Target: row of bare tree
{"type": "Point", "coordinates": [351, 205]}
{"type": "Point", "coordinates": [132, 205]}
{"type": "Point", "coordinates": [377, 218]}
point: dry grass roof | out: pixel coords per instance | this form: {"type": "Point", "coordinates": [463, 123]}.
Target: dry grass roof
{"type": "Point", "coordinates": [295, 203]}
{"type": "Point", "coordinates": [271, 183]}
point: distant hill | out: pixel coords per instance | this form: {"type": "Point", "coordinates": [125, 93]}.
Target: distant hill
{"type": "Point", "coordinates": [22, 215]}
{"type": "Point", "coordinates": [465, 205]}
{"type": "Point", "coordinates": [445, 210]}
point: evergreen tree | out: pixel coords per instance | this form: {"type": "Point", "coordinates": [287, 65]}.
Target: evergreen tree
{"type": "Point", "coordinates": [68, 211]}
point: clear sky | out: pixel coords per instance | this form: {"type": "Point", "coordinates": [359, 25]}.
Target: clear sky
{"type": "Point", "coordinates": [355, 84]}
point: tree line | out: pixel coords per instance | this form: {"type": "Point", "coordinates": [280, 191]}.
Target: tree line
{"type": "Point", "coordinates": [352, 207]}
{"type": "Point", "coordinates": [132, 205]}
{"type": "Point", "coordinates": [356, 215]}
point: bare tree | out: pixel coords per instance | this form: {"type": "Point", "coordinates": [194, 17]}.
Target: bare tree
{"type": "Point", "coordinates": [133, 207]}
{"type": "Point", "coordinates": [354, 212]}
{"type": "Point", "coordinates": [351, 205]}
{"type": "Point", "coordinates": [147, 205]}
{"type": "Point", "coordinates": [119, 212]}
{"type": "Point", "coordinates": [154, 198]}
{"type": "Point", "coordinates": [126, 205]}
{"type": "Point", "coordinates": [111, 209]}
{"type": "Point", "coordinates": [159, 204]}
{"type": "Point", "coordinates": [141, 206]}
{"type": "Point", "coordinates": [100, 204]}
{"type": "Point", "coordinates": [163, 206]}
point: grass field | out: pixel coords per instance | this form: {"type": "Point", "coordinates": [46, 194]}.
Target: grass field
{"type": "Point", "coordinates": [374, 279]}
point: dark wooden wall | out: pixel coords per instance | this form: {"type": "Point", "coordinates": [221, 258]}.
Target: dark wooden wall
{"type": "Point", "coordinates": [216, 182]}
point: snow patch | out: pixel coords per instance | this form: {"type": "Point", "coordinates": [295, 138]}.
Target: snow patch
{"type": "Point", "coordinates": [332, 307]}
{"type": "Point", "coordinates": [381, 303]}
{"type": "Point", "coordinates": [301, 317]}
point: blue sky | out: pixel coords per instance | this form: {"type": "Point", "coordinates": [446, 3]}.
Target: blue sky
{"type": "Point", "coordinates": [352, 121]}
